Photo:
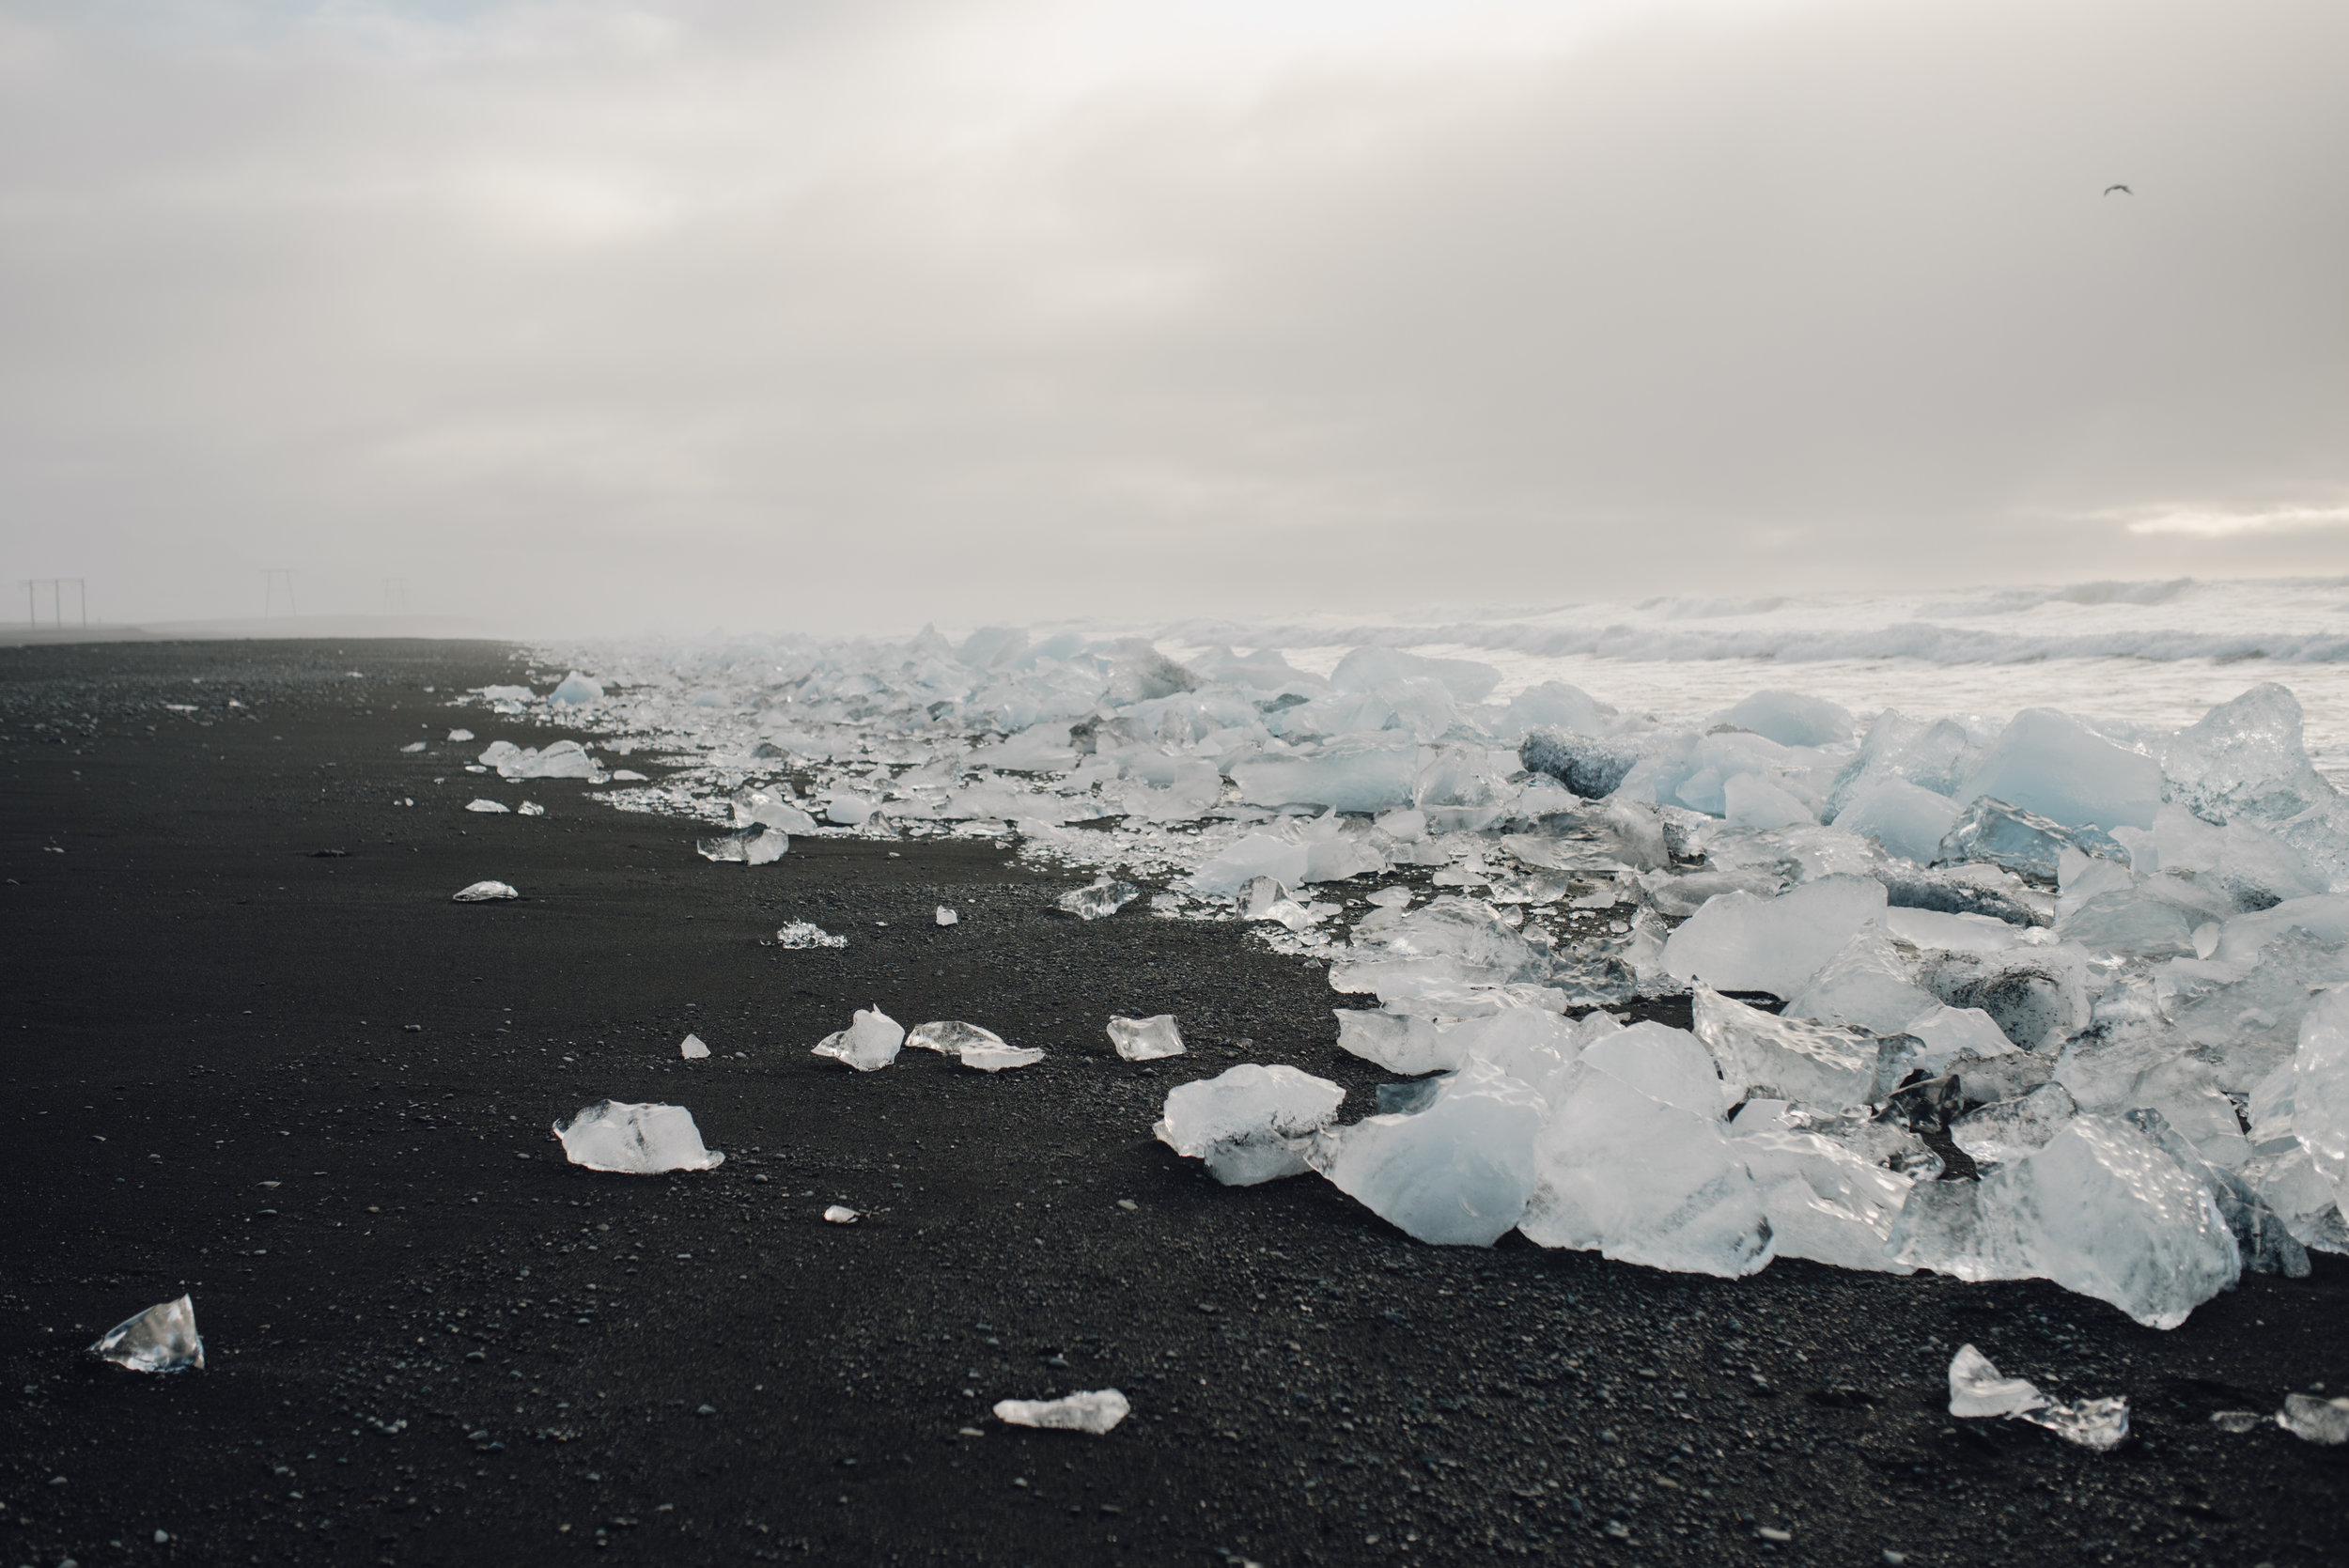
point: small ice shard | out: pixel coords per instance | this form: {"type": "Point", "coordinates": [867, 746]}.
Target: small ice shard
{"type": "Point", "coordinates": [530, 808]}
{"type": "Point", "coordinates": [461, 735]}
{"type": "Point", "coordinates": [840, 1214]}
{"type": "Point", "coordinates": [947, 917]}
{"type": "Point", "coordinates": [576, 689]}
{"type": "Point", "coordinates": [161, 1338]}
{"type": "Point", "coordinates": [982, 1048]}
{"type": "Point", "coordinates": [757, 844]}
{"type": "Point", "coordinates": [483, 893]}
{"type": "Point", "coordinates": [414, 746]}
{"type": "Point", "coordinates": [1251, 1124]}
{"type": "Point", "coordinates": [1977, 1390]}
{"type": "Point", "coordinates": [1105, 897]}
{"type": "Point", "coordinates": [1146, 1039]}
{"type": "Point", "coordinates": [1094, 1410]}
{"type": "Point", "coordinates": [627, 775]}
{"type": "Point", "coordinates": [636, 1139]}
{"type": "Point", "coordinates": [2305, 1417]}
{"type": "Point", "coordinates": [2093, 1424]}
{"type": "Point", "coordinates": [692, 1048]}
{"type": "Point", "coordinates": [487, 806]}
{"type": "Point", "coordinates": [802, 933]}
{"type": "Point", "coordinates": [868, 1043]}
{"type": "Point", "coordinates": [2239, 1421]}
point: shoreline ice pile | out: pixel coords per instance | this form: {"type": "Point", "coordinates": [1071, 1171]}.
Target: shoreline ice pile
{"type": "Point", "coordinates": [2043, 996]}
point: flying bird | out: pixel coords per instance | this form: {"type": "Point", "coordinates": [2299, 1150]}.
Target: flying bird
{"type": "Point", "coordinates": [2122, 189]}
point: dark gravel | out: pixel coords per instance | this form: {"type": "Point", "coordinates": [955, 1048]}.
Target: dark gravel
{"type": "Point", "coordinates": [434, 1342]}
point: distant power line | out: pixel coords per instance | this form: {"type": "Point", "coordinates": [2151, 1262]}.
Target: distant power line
{"type": "Point", "coordinates": [271, 579]}
{"type": "Point", "coordinates": [57, 599]}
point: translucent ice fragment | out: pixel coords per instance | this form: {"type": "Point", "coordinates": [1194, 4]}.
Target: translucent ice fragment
{"type": "Point", "coordinates": [486, 806]}
{"type": "Point", "coordinates": [635, 1140]}
{"type": "Point", "coordinates": [757, 844]}
{"type": "Point", "coordinates": [2238, 1421]}
{"type": "Point", "coordinates": [2018, 840]}
{"type": "Point", "coordinates": [840, 1214]}
{"type": "Point", "coordinates": [1790, 718]}
{"type": "Point", "coordinates": [1739, 942]}
{"type": "Point", "coordinates": [1821, 1064]}
{"type": "Point", "coordinates": [1868, 984]}
{"type": "Point", "coordinates": [2093, 1424]}
{"type": "Point", "coordinates": [2010, 1130]}
{"type": "Point", "coordinates": [2320, 1090]}
{"type": "Point", "coordinates": [848, 810]}
{"type": "Point", "coordinates": [1456, 1172]}
{"type": "Point", "coordinates": [947, 916]}
{"type": "Point", "coordinates": [1822, 1201]}
{"type": "Point", "coordinates": [1105, 897]}
{"type": "Point", "coordinates": [1095, 1410]}
{"type": "Point", "coordinates": [530, 808]}
{"type": "Point", "coordinates": [1976, 1389]}
{"type": "Point", "coordinates": [692, 1048]}
{"type": "Point", "coordinates": [1146, 1039]}
{"type": "Point", "coordinates": [161, 1338]}
{"type": "Point", "coordinates": [1906, 819]}
{"type": "Point", "coordinates": [982, 1048]}
{"type": "Point", "coordinates": [2051, 763]}
{"type": "Point", "coordinates": [461, 735]}
{"type": "Point", "coordinates": [1751, 801]}
{"type": "Point", "coordinates": [2305, 1417]}
{"type": "Point", "coordinates": [868, 1043]}
{"type": "Point", "coordinates": [802, 933]}
{"type": "Point", "coordinates": [1661, 1062]}
{"type": "Point", "coordinates": [483, 893]}
{"type": "Point", "coordinates": [576, 689]}
{"type": "Point", "coordinates": [1251, 1124]}
{"type": "Point", "coordinates": [414, 746]}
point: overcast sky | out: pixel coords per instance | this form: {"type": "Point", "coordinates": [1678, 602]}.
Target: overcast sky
{"type": "Point", "coordinates": [599, 316]}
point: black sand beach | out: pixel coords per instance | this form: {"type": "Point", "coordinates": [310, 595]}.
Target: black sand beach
{"type": "Point", "coordinates": [254, 1053]}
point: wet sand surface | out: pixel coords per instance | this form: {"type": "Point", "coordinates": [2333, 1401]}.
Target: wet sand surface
{"type": "Point", "coordinates": [254, 1053]}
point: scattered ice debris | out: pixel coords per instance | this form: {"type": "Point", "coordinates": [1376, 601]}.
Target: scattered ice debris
{"type": "Point", "coordinates": [483, 893]}
{"type": "Point", "coordinates": [487, 806]}
{"type": "Point", "coordinates": [868, 1043]}
{"type": "Point", "coordinates": [530, 808]}
{"type": "Point", "coordinates": [2305, 1416]}
{"type": "Point", "coordinates": [800, 933]}
{"type": "Point", "coordinates": [947, 916]}
{"type": "Point", "coordinates": [757, 844]}
{"type": "Point", "coordinates": [1976, 1389]}
{"type": "Point", "coordinates": [982, 1048]}
{"type": "Point", "coordinates": [1095, 1410]}
{"type": "Point", "coordinates": [461, 735]}
{"type": "Point", "coordinates": [1251, 1124]}
{"type": "Point", "coordinates": [692, 1048]}
{"type": "Point", "coordinates": [1146, 1039]}
{"type": "Point", "coordinates": [635, 1140]}
{"type": "Point", "coordinates": [840, 1214]}
{"type": "Point", "coordinates": [414, 746]}
{"type": "Point", "coordinates": [575, 689]}
{"type": "Point", "coordinates": [161, 1338]}
{"type": "Point", "coordinates": [1105, 897]}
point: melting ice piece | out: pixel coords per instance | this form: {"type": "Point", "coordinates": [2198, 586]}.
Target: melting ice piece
{"type": "Point", "coordinates": [483, 893]}
{"type": "Point", "coordinates": [1095, 1410]}
{"type": "Point", "coordinates": [1146, 1039]}
{"type": "Point", "coordinates": [1251, 1124]}
{"type": "Point", "coordinates": [530, 808]}
{"type": "Point", "coordinates": [802, 933]}
{"type": "Point", "coordinates": [1794, 1059]}
{"type": "Point", "coordinates": [1977, 1390]}
{"type": "Point", "coordinates": [840, 1214]}
{"type": "Point", "coordinates": [1105, 897]}
{"type": "Point", "coordinates": [868, 1043]}
{"type": "Point", "coordinates": [978, 1048]}
{"type": "Point", "coordinates": [1456, 1171]}
{"type": "Point", "coordinates": [2305, 1417]}
{"type": "Point", "coordinates": [414, 746]}
{"type": "Point", "coordinates": [636, 1139]}
{"type": "Point", "coordinates": [947, 917]}
{"type": "Point", "coordinates": [757, 844]}
{"type": "Point", "coordinates": [461, 735]}
{"type": "Point", "coordinates": [1824, 1201]}
{"type": "Point", "coordinates": [487, 806]}
{"type": "Point", "coordinates": [2093, 1424]}
{"type": "Point", "coordinates": [692, 1048]}
{"type": "Point", "coordinates": [2238, 1421]}
{"type": "Point", "coordinates": [161, 1338]}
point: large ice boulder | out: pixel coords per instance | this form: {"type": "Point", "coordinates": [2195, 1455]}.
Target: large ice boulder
{"type": "Point", "coordinates": [1456, 1173]}
{"type": "Point", "coordinates": [2051, 763]}
{"type": "Point", "coordinates": [1822, 1201]}
{"type": "Point", "coordinates": [1790, 718]}
{"type": "Point", "coordinates": [2245, 758]}
{"type": "Point", "coordinates": [1555, 704]}
{"type": "Point", "coordinates": [1367, 669]}
{"type": "Point", "coordinates": [1739, 942]}
{"type": "Point", "coordinates": [1251, 1124]}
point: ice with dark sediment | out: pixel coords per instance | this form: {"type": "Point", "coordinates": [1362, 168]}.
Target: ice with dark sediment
{"type": "Point", "coordinates": [2097, 955]}
{"type": "Point", "coordinates": [635, 1140]}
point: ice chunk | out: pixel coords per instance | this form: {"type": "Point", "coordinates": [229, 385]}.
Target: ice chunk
{"type": "Point", "coordinates": [982, 1048]}
{"type": "Point", "coordinates": [2005, 1131]}
{"type": "Point", "coordinates": [1456, 1173]}
{"type": "Point", "coordinates": [848, 809]}
{"type": "Point", "coordinates": [947, 916]}
{"type": "Point", "coordinates": [757, 844]}
{"type": "Point", "coordinates": [841, 1214]}
{"type": "Point", "coordinates": [1792, 1059]}
{"type": "Point", "coordinates": [1738, 942]}
{"type": "Point", "coordinates": [1662, 1063]}
{"type": "Point", "coordinates": [1751, 801]}
{"type": "Point", "coordinates": [1959, 933]}
{"type": "Point", "coordinates": [1553, 704]}
{"type": "Point", "coordinates": [2036, 995]}
{"type": "Point", "coordinates": [2314, 1421]}
{"type": "Point", "coordinates": [2245, 758]}
{"type": "Point", "coordinates": [1094, 1410]}
{"type": "Point", "coordinates": [1867, 983]}
{"type": "Point", "coordinates": [161, 1338]}
{"type": "Point", "coordinates": [530, 808]}
{"type": "Point", "coordinates": [1353, 773]}
{"type": "Point", "coordinates": [564, 759]}
{"type": "Point", "coordinates": [2265, 1241]}
{"type": "Point", "coordinates": [414, 746]}
{"type": "Point", "coordinates": [461, 735]}
{"type": "Point", "coordinates": [1251, 1124]}
{"type": "Point", "coordinates": [759, 805]}
{"type": "Point", "coordinates": [868, 1043]}
{"type": "Point", "coordinates": [1397, 1042]}
{"type": "Point", "coordinates": [576, 689]}
{"type": "Point", "coordinates": [2051, 763]}
{"type": "Point", "coordinates": [487, 806]}
{"type": "Point", "coordinates": [2237, 1422]}
{"type": "Point", "coordinates": [1645, 1182]}
{"type": "Point", "coordinates": [802, 933]}
{"type": "Point", "coordinates": [1447, 940]}
{"type": "Point", "coordinates": [1906, 819]}
{"type": "Point", "coordinates": [1977, 1390]}
{"type": "Point", "coordinates": [1587, 767]}
{"type": "Point", "coordinates": [1949, 1034]}
{"type": "Point", "coordinates": [2018, 840]}
{"type": "Point", "coordinates": [483, 893]}
{"type": "Point", "coordinates": [1366, 669]}
{"type": "Point", "coordinates": [1790, 719]}
{"type": "Point", "coordinates": [635, 1140]}
{"type": "Point", "coordinates": [1104, 898]}
{"type": "Point", "coordinates": [1258, 855]}
{"type": "Point", "coordinates": [508, 694]}
{"type": "Point", "coordinates": [1146, 1039]}
{"type": "Point", "coordinates": [692, 1048]}
{"type": "Point", "coordinates": [2320, 1090]}
{"type": "Point", "coordinates": [1824, 1201]}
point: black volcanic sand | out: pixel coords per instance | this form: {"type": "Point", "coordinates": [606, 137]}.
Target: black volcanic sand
{"type": "Point", "coordinates": [316, 1092]}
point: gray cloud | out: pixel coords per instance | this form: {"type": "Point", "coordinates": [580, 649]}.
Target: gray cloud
{"type": "Point", "coordinates": [597, 315]}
